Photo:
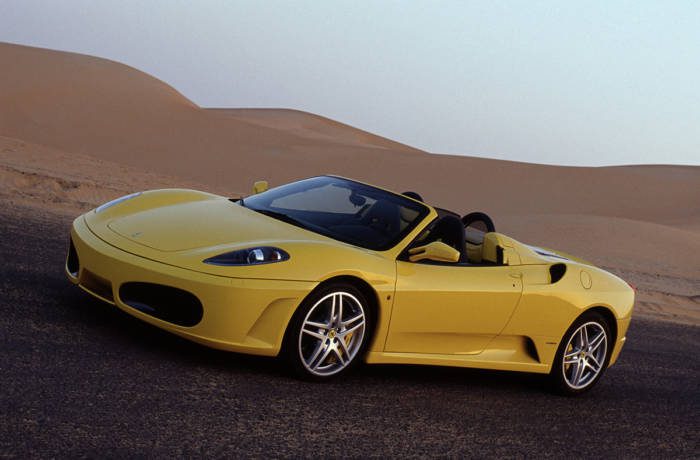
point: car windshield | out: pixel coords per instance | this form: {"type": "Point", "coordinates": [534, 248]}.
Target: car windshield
{"type": "Point", "coordinates": [342, 209]}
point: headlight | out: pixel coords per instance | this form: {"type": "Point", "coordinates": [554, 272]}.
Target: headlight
{"type": "Point", "coordinates": [116, 201]}
{"type": "Point", "coordinates": [250, 256]}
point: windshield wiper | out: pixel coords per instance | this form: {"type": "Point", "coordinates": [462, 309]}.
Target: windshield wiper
{"type": "Point", "coordinates": [281, 216]}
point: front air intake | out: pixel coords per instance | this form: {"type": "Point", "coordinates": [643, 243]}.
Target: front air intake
{"type": "Point", "coordinates": [72, 261]}
{"type": "Point", "coordinates": [163, 302]}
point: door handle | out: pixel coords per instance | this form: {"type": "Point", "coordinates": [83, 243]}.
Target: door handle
{"type": "Point", "coordinates": [517, 275]}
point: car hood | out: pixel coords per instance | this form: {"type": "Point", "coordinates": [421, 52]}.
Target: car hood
{"type": "Point", "coordinates": [182, 228]}
{"type": "Point", "coordinates": [202, 224]}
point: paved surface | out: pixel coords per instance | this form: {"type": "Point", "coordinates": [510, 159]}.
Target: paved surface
{"type": "Point", "coordinates": [79, 378]}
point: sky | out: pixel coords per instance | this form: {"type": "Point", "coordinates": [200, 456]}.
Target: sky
{"type": "Point", "coordinates": [585, 83]}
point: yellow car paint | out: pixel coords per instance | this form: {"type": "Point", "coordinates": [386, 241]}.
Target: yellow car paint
{"type": "Point", "coordinates": [471, 305]}
{"type": "Point", "coordinates": [509, 317]}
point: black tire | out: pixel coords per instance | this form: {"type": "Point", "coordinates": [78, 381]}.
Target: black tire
{"type": "Point", "coordinates": [563, 377]}
{"type": "Point", "coordinates": [299, 346]}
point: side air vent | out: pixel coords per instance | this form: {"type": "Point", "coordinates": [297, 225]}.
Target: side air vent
{"type": "Point", "coordinates": [556, 272]}
{"type": "Point", "coordinates": [163, 302]}
{"type": "Point", "coordinates": [531, 349]}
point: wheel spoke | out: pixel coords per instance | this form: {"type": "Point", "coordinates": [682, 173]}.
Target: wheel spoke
{"type": "Point", "coordinates": [592, 359]}
{"type": "Point", "coordinates": [572, 353]}
{"type": "Point", "coordinates": [316, 353]}
{"type": "Point", "coordinates": [351, 330]}
{"type": "Point", "coordinates": [339, 318]}
{"type": "Point", "coordinates": [327, 352]}
{"type": "Point", "coordinates": [344, 345]}
{"type": "Point", "coordinates": [331, 318]}
{"type": "Point", "coordinates": [595, 343]}
{"type": "Point", "coordinates": [353, 319]}
{"type": "Point", "coordinates": [578, 372]}
{"type": "Point", "coordinates": [584, 337]}
{"type": "Point", "coordinates": [339, 355]}
{"type": "Point", "coordinates": [316, 324]}
{"type": "Point", "coordinates": [315, 334]}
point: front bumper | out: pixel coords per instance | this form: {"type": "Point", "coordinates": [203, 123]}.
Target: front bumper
{"type": "Point", "coordinates": [239, 314]}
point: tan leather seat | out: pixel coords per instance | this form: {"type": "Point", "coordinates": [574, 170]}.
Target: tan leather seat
{"type": "Point", "coordinates": [474, 242]}
{"type": "Point", "coordinates": [474, 253]}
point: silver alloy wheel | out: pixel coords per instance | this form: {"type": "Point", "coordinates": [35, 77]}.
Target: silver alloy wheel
{"type": "Point", "coordinates": [584, 355]}
{"type": "Point", "coordinates": [332, 333]}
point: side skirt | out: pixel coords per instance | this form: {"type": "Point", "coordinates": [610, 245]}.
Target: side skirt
{"type": "Point", "coordinates": [506, 357]}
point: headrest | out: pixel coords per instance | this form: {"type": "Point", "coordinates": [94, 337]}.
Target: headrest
{"type": "Point", "coordinates": [474, 236]}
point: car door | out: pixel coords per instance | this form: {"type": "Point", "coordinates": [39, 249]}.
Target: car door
{"type": "Point", "coordinates": [450, 308]}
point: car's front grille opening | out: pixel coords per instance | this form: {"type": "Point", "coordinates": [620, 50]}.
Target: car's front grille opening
{"type": "Point", "coordinates": [163, 302]}
{"type": "Point", "coordinates": [97, 285]}
{"type": "Point", "coordinates": [72, 261]}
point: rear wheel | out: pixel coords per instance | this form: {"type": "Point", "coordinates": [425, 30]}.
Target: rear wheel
{"type": "Point", "coordinates": [329, 332]}
{"type": "Point", "coordinates": [583, 355]}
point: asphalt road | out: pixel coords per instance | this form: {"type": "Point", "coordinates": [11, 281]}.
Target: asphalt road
{"type": "Point", "coordinates": [79, 378]}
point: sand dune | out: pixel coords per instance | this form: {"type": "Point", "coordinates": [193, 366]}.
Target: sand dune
{"type": "Point", "coordinates": [77, 130]}
{"type": "Point", "coordinates": [313, 126]}
{"type": "Point", "coordinates": [45, 178]}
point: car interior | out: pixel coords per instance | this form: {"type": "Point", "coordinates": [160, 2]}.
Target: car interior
{"type": "Point", "coordinates": [372, 218]}
{"type": "Point", "coordinates": [471, 235]}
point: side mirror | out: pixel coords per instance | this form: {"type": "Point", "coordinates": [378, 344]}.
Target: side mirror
{"type": "Point", "coordinates": [436, 250]}
{"type": "Point", "coordinates": [259, 186]}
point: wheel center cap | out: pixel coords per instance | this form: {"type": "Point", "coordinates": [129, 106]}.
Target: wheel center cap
{"type": "Point", "coordinates": [331, 334]}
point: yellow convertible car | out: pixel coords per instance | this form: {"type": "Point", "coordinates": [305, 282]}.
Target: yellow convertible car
{"type": "Point", "coordinates": [329, 271]}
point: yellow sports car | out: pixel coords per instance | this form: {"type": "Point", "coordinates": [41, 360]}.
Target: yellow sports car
{"type": "Point", "coordinates": [329, 271]}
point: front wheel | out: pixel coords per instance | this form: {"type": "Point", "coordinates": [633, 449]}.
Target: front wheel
{"type": "Point", "coordinates": [329, 332]}
{"type": "Point", "coordinates": [583, 355]}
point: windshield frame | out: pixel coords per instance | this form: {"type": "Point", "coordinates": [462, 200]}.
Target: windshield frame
{"type": "Point", "coordinates": [418, 206]}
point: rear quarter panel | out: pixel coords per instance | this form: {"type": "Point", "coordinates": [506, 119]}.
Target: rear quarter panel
{"type": "Point", "coordinates": [547, 310]}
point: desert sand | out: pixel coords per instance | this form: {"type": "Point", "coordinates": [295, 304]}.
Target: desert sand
{"type": "Point", "coordinates": [76, 131]}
